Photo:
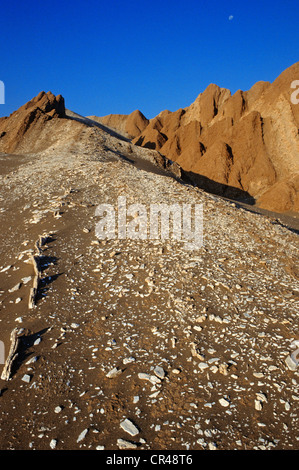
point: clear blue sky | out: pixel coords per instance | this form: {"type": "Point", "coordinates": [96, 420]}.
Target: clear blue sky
{"type": "Point", "coordinates": [116, 56]}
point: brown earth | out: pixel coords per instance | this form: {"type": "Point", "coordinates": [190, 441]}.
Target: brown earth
{"type": "Point", "coordinates": [244, 145]}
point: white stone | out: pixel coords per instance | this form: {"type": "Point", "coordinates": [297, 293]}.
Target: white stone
{"type": "Point", "coordinates": [212, 446]}
{"type": "Point", "coordinates": [291, 363]}
{"type": "Point", "coordinates": [258, 405]}
{"type": "Point", "coordinates": [203, 365]}
{"type": "Point", "coordinates": [159, 371]}
{"type": "Point", "coordinates": [129, 427]}
{"type": "Point", "coordinates": [13, 289]}
{"type": "Point", "coordinates": [26, 378]}
{"type": "Point", "coordinates": [128, 360]}
{"type": "Point", "coordinates": [113, 373]}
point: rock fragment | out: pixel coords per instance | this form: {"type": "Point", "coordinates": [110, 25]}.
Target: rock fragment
{"type": "Point", "coordinates": [82, 435]}
{"type": "Point", "coordinates": [113, 373]}
{"type": "Point", "coordinates": [224, 402]}
{"type": "Point", "coordinates": [160, 372]}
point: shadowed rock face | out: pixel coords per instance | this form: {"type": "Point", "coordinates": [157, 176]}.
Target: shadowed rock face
{"type": "Point", "coordinates": [248, 140]}
{"type": "Point", "coordinates": [30, 117]}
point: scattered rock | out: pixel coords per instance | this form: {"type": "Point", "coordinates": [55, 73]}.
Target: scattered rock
{"type": "Point", "coordinates": [129, 427]}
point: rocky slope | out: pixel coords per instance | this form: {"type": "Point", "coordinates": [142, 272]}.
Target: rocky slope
{"type": "Point", "coordinates": [135, 343]}
{"type": "Point", "coordinates": [130, 125]}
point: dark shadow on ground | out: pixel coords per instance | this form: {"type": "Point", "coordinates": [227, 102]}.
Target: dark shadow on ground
{"type": "Point", "coordinates": [23, 351]}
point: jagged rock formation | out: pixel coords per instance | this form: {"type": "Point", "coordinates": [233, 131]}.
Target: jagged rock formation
{"type": "Point", "coordinates": [244, 145]}
{"type": "Point", "coordinates": [140, 343]}
{"type": "Point", "coordinates": [33, 117]}
{"type": "Point", "coordinates": [130, 125]}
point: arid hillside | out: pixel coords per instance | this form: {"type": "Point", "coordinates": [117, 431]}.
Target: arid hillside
{"type": "Point", "coordinates": [243, 146]}
{"type": "Point", "coordinates": [128, 343]}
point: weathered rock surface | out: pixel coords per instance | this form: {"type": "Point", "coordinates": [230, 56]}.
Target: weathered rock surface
{"type": "Point", "coordinates": [130, 125]}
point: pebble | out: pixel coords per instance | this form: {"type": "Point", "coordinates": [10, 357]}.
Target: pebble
{"type": "Point", "coordinates": [151, 378]}
{"type": "Point", "coordinates": [53, 443]}
{"type": "Point", "coordinates": [258, 405]}
{"type": "Point", "coordinates": [212, 446]}
{"type": "Point", "coordinates": [32, 360]}
{"type": "Point", "coordinates": [129, 427]}
{"type": "Point", "coordinates": [128, 360]}
{"type": "Point", "coordinates": [15, 288]}
{"type": "Point", "coordinates": [26, 378]}
{"type": "Point", "coordinates": [291, 363]}
{"type": "Point", "coordinates": [159, 371]}
{"type": "Point", "coordinates": [223, 402]}
{"type": "Point", "coordinates": [113, 373]}
{"type": "Point", "coordinates": [203, 365]}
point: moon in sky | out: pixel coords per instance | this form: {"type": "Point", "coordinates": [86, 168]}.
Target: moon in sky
{"type": "Point", "coordinates": [230, 17]}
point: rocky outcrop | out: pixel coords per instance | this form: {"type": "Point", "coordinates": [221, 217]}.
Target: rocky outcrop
{"type": "Point", "coordinates": [130, 125]}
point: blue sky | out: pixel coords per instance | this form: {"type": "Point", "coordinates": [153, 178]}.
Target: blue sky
{"type": "Point", "coordinates": [116, 56]}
